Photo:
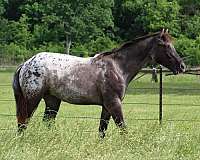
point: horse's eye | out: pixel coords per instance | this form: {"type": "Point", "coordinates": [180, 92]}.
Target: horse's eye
{"type": "Point", "coordinates": [161, 44]}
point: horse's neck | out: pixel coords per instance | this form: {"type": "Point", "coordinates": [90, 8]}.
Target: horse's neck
{"type": "Point", "coordinates": [132, 59]}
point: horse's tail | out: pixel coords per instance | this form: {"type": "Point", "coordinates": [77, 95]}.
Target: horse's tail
{"type": "Point", "coordinates": [21, 102]}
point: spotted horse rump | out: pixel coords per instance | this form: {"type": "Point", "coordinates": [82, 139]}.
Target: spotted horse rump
{"type": "Point", "coordinates": [100, 80]}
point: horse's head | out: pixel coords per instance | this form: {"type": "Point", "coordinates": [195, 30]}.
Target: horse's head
{"type": "Point", "coordinates": [165, 54]}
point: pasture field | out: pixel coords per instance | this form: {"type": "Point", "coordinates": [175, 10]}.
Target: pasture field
{"type": "Point", "coordinates": [77, 138]}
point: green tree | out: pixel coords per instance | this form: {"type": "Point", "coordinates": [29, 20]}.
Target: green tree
{"type": "Point", "coordinates": [83, 21]}
{"type": "Point", "coordinates": [28, 26]}
{"type": "Point", "coordinates": [138, 17]}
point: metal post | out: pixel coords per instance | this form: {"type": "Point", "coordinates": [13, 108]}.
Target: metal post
{"type": "Point", "coordinates": [160, 97]}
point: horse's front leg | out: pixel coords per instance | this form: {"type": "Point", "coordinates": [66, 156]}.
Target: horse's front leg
{"type": "Point", "coordinates": [104, 121]}
{"type": "Point", "coordinates": [114, 107]}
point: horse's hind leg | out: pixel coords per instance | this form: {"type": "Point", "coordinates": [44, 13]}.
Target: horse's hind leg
{"type": "Point", "coordinates": [104, 121]}
{"type": "Point", "coordinates": [31, 107]}
{"type": "Point", "coordinates": [25, 105]}
{"type": "Point", "coordinates": [52, 107]}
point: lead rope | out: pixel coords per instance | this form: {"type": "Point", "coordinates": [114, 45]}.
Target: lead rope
{"type": "Point", "coordinates": [154, 75]}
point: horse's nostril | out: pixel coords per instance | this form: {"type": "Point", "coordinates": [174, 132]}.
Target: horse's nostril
{"type": "Point", "coordinates": [182, 66]}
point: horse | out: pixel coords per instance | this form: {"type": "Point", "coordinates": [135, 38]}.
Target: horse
{"type": "Point", "coordinates": [100, 80]}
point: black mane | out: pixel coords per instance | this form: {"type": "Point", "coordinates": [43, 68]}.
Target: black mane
{"type": "Point", "coordinates": [126, 44]}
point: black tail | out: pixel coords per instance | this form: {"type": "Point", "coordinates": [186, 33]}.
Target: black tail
{"type": "Point", "coordinates": [21, 102]}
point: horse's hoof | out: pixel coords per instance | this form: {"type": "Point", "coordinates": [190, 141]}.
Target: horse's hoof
{"type": "Point", "coordinates": [49, 125]}
{"type": "Point", "coordinates": [20, 133]}
{"type": "Point", "coordinates": [101, 135]}
{"type": "Point", "coordinates": [21, 129]}
{"type": "Point", "coordinates": [123, 131]}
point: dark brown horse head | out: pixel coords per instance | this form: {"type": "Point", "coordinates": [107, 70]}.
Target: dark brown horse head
{"type": "Point", "coordinates": [165, 53]}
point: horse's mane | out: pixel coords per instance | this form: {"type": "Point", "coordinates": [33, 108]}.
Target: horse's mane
{"type": "Point", "coordinates": [166, 38]}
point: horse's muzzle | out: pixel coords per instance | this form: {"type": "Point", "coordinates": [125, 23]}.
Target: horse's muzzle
{"type": "Point", "coordinates": [180, 69]}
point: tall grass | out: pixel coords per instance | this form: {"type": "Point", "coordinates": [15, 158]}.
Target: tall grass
{"type": "Point", "coordinates": [76, 138]}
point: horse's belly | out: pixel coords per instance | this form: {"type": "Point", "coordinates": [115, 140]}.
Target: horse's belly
{"type": "Point", "coordinates": [75, 95]}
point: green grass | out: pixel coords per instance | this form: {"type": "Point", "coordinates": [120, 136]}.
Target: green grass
{"type": "Point", "coordinates": [75, 138]}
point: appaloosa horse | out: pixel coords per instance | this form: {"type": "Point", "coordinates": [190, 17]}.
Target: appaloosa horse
{"type": "Point", "coordinates": [100, 80]}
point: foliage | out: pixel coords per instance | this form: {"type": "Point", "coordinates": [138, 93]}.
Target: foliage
{"type": "Point", "coordinates": [145, 16]}
{"type": "Point", "coordinates": [79, 50]}
{"type": "Point", "coordinates": [191, 26]}
{"type": "Point", "coordinates": [189, 48]}
{"type": "Point", "coordinates": [95, 25]}
{"type": "Point", "coordinates": [100, 44]}
{"type": "Point", "coordinates": [15, 52]}
{"type": "Point", "coordinates": [82, 20]}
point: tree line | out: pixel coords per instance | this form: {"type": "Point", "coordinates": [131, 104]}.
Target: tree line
{"type": "Point", "coordinates": [30, 26]}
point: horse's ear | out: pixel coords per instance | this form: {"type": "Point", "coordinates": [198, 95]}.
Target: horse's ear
{"type": "Point", "coordinates": [160, 39]}
{"type": "Point", "coordinates": [167, 31]}
{"type": "Point", "coordinates": [162, 32]}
